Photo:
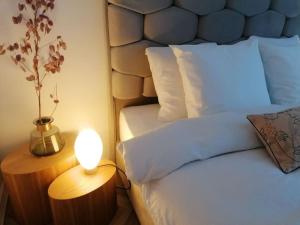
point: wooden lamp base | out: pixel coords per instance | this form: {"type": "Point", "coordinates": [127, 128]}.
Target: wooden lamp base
{"type": "Point", "coordinates": [77, 198]}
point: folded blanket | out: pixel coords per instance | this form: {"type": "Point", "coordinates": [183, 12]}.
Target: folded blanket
{"type": "Point", "coordinates": [159, 152]}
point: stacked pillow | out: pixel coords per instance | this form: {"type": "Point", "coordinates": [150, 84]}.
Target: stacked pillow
{"type": "Point", "coordinates": [195, 80]}
{"type": "Point", "coordinates": [167, 82]}
{"type": "Point", "coordinates": [222, 78]}
{"type": "Point", "coordinates": [282, 68]}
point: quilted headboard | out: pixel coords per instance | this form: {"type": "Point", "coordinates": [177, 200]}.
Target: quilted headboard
{"type": "Point", "coordinates": [137, 24]}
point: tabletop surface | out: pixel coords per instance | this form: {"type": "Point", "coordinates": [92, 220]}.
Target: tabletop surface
{"type": "Point", "coordinates": [76, 182]}
{"type": "Point", "coordinates": [21, 161]}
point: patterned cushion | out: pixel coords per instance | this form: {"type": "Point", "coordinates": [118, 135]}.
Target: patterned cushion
{"type": "Point", "coordinates": [280, 133]}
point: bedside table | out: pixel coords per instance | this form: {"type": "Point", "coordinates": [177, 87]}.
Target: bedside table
{"type": "Point", "coordinates": [77, 198]}
{"type": "Point", "coordinates": [28, 177]}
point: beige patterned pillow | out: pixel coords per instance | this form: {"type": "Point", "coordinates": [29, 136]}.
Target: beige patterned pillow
{"type": "Point", "coordinates": [280, 133]}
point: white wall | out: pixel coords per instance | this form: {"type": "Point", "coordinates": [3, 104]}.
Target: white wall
{"type": "Point", "coordinates": [84, 84]}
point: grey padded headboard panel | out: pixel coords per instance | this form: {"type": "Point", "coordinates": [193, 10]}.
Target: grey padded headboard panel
{"type": "Point", "coordinates": [137, 24]}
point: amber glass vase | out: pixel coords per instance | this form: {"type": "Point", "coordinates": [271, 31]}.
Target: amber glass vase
{"type": "Point", "coordinates": [45, 139]}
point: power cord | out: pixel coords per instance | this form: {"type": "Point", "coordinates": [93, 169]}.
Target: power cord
{"type": "Point", "coordinates": [122, 172]}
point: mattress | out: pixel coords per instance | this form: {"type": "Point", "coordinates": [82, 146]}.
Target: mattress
{"type": "Point", "coordinates": [135, 121]}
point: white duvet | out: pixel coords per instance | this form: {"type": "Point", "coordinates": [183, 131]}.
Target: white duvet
{"type": "Point", "coordinates": [241, 188]}
{"type": "Point", "coordinates": [244, 188]}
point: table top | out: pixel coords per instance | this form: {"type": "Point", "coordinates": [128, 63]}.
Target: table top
{"type": "Point", "coordinates": [21, 161]}
{"type": "Point", "coordinates": [76, 182]}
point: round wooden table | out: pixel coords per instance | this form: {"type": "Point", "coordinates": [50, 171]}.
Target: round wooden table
{"type": "Point", "coordinates": [78, 198]}
{"type": "Point", "coordinates": [28, 177]}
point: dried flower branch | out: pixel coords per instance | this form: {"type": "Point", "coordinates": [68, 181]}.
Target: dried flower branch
{"type": "Point", "coordinates": [27, 55]}
{"type": "Point", "coordinates": [54, 97]}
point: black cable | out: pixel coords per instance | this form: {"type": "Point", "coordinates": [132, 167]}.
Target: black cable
{"type": "Point", "coordinates": [124, 174]}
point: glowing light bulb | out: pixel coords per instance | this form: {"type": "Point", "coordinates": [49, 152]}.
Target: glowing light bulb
{"type": "Point", "coordinates": [88, 149]}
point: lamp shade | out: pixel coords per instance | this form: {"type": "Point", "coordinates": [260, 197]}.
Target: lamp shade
{"type": "Point", "coordinates": [88, 149]}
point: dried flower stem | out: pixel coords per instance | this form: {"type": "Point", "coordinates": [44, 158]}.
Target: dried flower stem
{"type": "Point", "coordinates": [36, 61]}
{"type": "Point", "coordinates": [43, 78]}
{"type": "Point", "coordinates": [56, 101]}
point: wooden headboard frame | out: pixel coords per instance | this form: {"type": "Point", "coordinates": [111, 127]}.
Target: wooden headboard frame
{"type": "Point", "coordinates": [135, 25]}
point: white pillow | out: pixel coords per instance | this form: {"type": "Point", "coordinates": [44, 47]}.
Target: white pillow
{"type": "Point", "coordinates": [167, 82]}
{"type": "Point", "coordinates": [222, 78]}
{"type": "Point", "coordinates": [282, 69]}
{"type": "Point", "coordinates": [262, 41]}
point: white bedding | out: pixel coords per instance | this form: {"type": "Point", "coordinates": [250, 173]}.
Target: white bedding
{"type": "Point", "coordinates": [159, 152]}
{"type": "Point", "coordinates": [242, 188]}
{"type": "Point", "coordinates": [137, 120]}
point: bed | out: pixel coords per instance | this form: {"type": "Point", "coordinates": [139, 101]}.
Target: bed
{"type": "Point", "coordinates": [240, 188]}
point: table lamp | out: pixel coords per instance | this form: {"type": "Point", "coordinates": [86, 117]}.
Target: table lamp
{"type": "Point", "coordinates": [88, 150]}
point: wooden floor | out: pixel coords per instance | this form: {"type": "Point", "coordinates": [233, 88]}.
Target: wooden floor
{"type": "Point", "coordinates": [124, 216]}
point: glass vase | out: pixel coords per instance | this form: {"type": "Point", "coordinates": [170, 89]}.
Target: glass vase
{"type": "Point", "coordinates": [46, 138]}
